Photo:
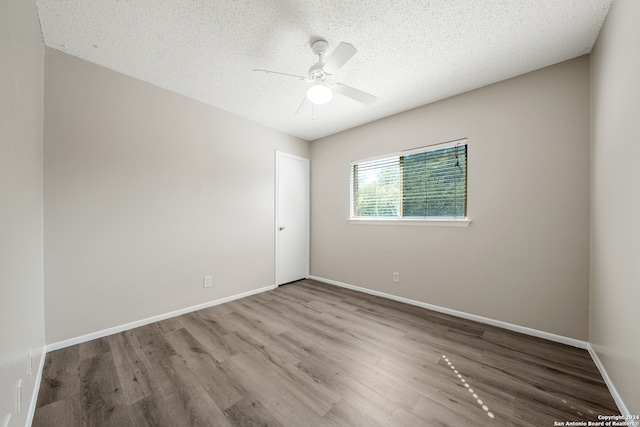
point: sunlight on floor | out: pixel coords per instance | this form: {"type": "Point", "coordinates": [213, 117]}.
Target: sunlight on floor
{"type": "Point", "coordinates": [466, 384]}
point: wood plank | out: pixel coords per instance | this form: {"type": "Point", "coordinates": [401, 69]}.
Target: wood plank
{"type": "Point", "coordinates": [211, 374]}
{"type": "Point", "coordinates": [345, 413]}
{"type": "Point", "coordinates": [436, 414]}
{"type": "Point", "coordinates": [207, 335]}
{"type": "Point", "coordinates": [130, 370]}
{"type": "Point", "coordinates": [197, 403]}
{"type": "Point", "coordinates": [362, 391]}
{"type": "Point", "coordinates": [60, 376]}
{"type": "Point", "coordinates": [62, 412]}
{"type": "Point", "coordinates": [216, 318]}
{"type": "Point", "coordinates": [250, 413]}
{"type": "Point", "coordinates": [93, 348]}
{"type": "Point", "coordinates": [285, 374]}
{"type": "Point", "coordinates": [103, 401]}
{"type": "Point", "coordinates": [264, 386]}
{"type": "Point", "coordinates": [157, 410]}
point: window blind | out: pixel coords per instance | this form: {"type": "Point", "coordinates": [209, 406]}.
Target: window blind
{"type": "Point", "coordinates": [426, 183]}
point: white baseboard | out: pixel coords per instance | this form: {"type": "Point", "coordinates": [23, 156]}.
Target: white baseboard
{"type": "Point", "coordinates": [116, 329]}
{"type": "Point", "coordinates": [500, 324]}
{"type": "Point", "coordinates": [612, 389]}
{"type": "Point", "coordinates": [36, 388]}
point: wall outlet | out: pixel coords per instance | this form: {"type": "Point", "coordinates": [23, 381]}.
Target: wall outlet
{"type": "Point", "coordinates": [206, 282]}
{"type": "Point", "coordinates": [396, 277]}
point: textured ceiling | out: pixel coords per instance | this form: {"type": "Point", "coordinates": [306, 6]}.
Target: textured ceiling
{"type": "Point", "coordinates": [410, 53]}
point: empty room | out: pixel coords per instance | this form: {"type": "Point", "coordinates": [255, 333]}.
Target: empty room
{"type": "Point", "coordinates": [293, 213]}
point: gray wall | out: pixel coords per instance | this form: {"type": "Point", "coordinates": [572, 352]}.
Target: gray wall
{"type": "Point", "coordinates": [21, 268]}
{"type": "Point", "coordinates": [146, 192]}
{"type": "Point", "coordinates": [615, 176]}
{"type": "Point", "coordinates": [524, 258]}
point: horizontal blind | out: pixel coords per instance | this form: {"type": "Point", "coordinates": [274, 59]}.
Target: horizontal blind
{"type": "Point", "coordinates": [435, 183]}
{"type": "Point", "coordinates": [423, 184]}
{"type": "Point", "coordinates": [376, 188]}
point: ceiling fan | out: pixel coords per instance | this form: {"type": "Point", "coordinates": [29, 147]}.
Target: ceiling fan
{"type": "Point", "coordinates": [320, 75]}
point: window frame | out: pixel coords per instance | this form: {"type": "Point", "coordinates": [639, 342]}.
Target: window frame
{"type": "Point", "coordinates": [420, 221]}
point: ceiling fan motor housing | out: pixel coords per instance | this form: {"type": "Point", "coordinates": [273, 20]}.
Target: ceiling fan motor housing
{"type": "Point", "coordinates": [319, 47]}
{"type": "Point", "coordinates": [316, 72]}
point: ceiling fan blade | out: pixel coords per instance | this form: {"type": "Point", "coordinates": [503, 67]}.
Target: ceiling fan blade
{"type": "Point", "coordinates": [339, 57]}
{"type": "Point", "coordinates": [355, 94]}
{"type": "Point", "coordinates": [282, 74]}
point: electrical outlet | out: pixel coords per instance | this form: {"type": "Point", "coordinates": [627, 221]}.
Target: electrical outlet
{"type": "Point", "coordinates": [396, 277]}
{"type": "Point", "coordinates": [206, 282]}
{"type": "Point", "coordinates": [19, 397]}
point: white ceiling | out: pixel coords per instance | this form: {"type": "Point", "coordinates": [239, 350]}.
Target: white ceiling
{"type": "Point", "coordinates": [410, 52]}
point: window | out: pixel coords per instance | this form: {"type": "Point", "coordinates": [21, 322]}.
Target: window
{"type": "Point", "coordinates": [425, 183]}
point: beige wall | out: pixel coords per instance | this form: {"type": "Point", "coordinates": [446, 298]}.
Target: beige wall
{"type": "Point", "coordinates": [524, 257]}
{"type": "Point", "coordinates": [615, 176]}
{"type": "Point", "coordinates": [146, 192]}
{"type": "Point", "coordinates": [21, 268]}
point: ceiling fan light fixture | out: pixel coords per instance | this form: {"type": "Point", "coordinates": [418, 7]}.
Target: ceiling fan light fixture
{"type": "Point", "coordinates": [319, 94]}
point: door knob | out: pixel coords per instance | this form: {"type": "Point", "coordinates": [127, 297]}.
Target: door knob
{"type": "Point", "coordinates": [281, 227]}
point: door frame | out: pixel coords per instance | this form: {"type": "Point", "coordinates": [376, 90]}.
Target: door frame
{"type": "Point", "coordinates": [278, 156]}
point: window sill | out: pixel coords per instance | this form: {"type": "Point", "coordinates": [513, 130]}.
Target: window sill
{"type": "Point", "coordinates": [437, 222]}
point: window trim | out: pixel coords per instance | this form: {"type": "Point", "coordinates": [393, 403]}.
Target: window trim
{"type": "Point", "coordinates": [416, 150]}
{"type": "Point", "coordinates": [437, 222]}
{"type": "Point", "coordinates": [420, 221]}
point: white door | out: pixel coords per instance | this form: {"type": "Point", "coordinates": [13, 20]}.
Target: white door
{"type": "Point", "coordinates": [292, 218]}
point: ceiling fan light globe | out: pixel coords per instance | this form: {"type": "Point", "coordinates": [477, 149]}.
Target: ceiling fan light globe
{"type": "Point", "coordinates": [319, 94]}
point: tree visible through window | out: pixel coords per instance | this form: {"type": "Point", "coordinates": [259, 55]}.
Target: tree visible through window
{"type": "Point", "coordinates": [424, 183]}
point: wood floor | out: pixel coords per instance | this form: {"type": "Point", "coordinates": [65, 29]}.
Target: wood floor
{"type": "Point", "coordinates": [311, 354]}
